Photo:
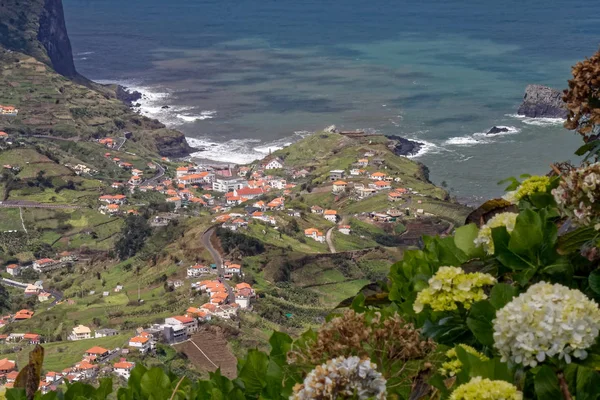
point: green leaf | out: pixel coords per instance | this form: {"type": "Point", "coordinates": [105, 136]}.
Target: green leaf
{"type": "Point", "coordinates": [572, 241]}
{"type": "Point", "coordinates": [594, 281]}
{"type": "Point", "coordinates": [587, 387]}
{"type": "Point", "coordinates": [156, 384]}
{"type": "Point", "coordinates": [507, 257]}
{"type": "Point", "coordinates": [528, 235]}
{"type": "Point", "coordinates": [253, 372]}
{"type": "Point", "coordinates": [281, 344]}
{"type": "Point", "coordinates": [79, 390]}
{"type": "Point", "coordinates": [464, 239]}
{"type": "Point", "coordinates": [104, 389]}
{"type": "Point", "coordinates": [135, 378]}
{"type": "Point", "coordinates": [501, 294]}
{"type": "Point", "coordinates": [274, 375]}
{"type": "Point", "coordinates": [542, 200]}
{"type": "Point", "coordinates": [546, 384]}
{"type": "Point", "coordinates": [448, 330]}
{"type": "Point", "coordinates": [479, 322]}
{"type": "Point", "coordinates": [16, 394]}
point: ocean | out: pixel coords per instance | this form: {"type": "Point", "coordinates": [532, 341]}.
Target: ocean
{"type": "Point", "coordinates": [245, 77]}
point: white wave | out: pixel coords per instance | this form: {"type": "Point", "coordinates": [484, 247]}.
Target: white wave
{"type": "Point", "coordinates": [85, 53]}
{"type": "Point", "coordinates": [538, 121]}
{"type": "Point", "coordinates": [240, 151]}
{"type": "Point", "coordinates": [193, 118]}
{"type": "Point", "coordinates": [155, 104]}
{"type": "Point", "coordinates": [464, 141]}
{"type": "Point", "coordinates": [426, 148]}
{"type": "Point", "coordinates": [465, 159]}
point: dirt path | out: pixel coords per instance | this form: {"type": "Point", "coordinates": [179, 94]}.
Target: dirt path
{"type": "Point", "coordinates": [329, 241]}
{"type": "Point", "coordinates": [22, 220]}
{"type": "Point", "coordinates": [217, 259]}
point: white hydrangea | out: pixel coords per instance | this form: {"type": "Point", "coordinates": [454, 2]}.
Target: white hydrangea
{"type": "Point", "coordinates": [546, 321]}
{"type": "Point", "coordinates": [484, 237]}
{"type": "Point", "coordinates": [342, 378]}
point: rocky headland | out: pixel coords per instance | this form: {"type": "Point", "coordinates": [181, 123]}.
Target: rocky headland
{"type": "Point", "coordinates": [542, 102]}
{"type": "Point", "coordinates": [404, 147]}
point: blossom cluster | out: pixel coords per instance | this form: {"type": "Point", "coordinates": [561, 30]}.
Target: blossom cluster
{"type": "Point", "coordinates": [342, 378]}
{"type": "Point", "coordinates": [546, 321]}
{"type": "Point", "coordinates": [531, 185]}
{"type": "Point", "coordinates": [484, 237]}
{"type": "Point", "coordinates": [451, 286]}
{"type": "Point", "coordinates": [486, 389]}
{"type": "Point", "coordinates": [577, 195]}
{"type": "Point", "coordinates": [354, 334]}
{"type": "Point", "coordinates": [453, 366]}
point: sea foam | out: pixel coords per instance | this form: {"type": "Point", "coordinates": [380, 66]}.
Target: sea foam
{"type": "Point", "coordinates": [538, 121]}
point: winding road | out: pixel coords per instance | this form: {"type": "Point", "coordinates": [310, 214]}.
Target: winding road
{"type": "Point", "coordinates": [218, 260]}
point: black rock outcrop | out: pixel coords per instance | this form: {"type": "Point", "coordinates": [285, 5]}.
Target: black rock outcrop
{"type": "Point", "coordinates": [404, 147]}
{"type": "Point", "coordinates": [496, 130]}
{"type": "Point", "coordinates": [542, 102]}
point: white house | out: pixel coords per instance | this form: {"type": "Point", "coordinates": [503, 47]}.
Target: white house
{"type": "Point", "coordinates": [344, 229]}
{"type": "Point", "coordinates": [231, 269]}
{"type": "Point", "coordinates": [339, 186]}
{"type": "Point", "coordinates": [330, 215]}
{"type": "Point", "coordinates": [314, 234]}
{"type": "Point", "coordinates": [141, 343]}
{"type": "Point", "coordinates": [46, 264]}
{"type": "Point", "coordinates": [272, 163]}
{"type": "Point", "coordinates": [123, 368]}
{"type": "Point", "coordinates": [378, 176]}
{"type": "Point", "coordinates": [81, 332]}
{"type": "Point", "coordinates": [190, 324]}
{"type": "Point", "coordinates": [13, 269]}
{"type": "Point", "coordinates": [197, 270]}
{"type": "Point", "coordinates": [225, 185]}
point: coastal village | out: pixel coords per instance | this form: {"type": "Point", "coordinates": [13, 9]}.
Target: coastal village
{"type": "Point", "coordinates": [266, 196]}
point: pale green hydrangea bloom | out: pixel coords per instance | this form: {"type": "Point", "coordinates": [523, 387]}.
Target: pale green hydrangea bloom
{"type": "Point", "coordinates": [485, 389]}
{"type": "Point", "coordinates": [484, 238]}
{"type": "Point", "coordinates": [451, 286]}
{"type": "Point", "coordinates": [453, 366]}
{"type": "Point", "coordinates": [546, 321]}
{"type": "Point", "coordinates": [531, 185]}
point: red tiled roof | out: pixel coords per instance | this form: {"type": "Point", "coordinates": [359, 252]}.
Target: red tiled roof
{"type": "Point", "coordinates": [97, 350]}
{"type": "Point", "coordinates": [139, 339]}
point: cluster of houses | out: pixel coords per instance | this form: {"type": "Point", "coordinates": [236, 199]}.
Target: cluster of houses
{"type": "Point", "coordinates": [82, 332]}
{"type": "Point", "coordinates": [43, 265]}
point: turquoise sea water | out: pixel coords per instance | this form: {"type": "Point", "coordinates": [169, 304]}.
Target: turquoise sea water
{"type": "Point", "coordinates": [242, 77]}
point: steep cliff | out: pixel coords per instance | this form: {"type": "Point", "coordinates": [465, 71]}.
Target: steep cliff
{"type": "Point", "coordinates": [37, 28]}
{"type": "Point", "coordinates": [542, 102]}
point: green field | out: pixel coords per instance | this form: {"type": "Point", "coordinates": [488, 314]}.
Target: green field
{"type": "Point", "coordinates": [61, 355]}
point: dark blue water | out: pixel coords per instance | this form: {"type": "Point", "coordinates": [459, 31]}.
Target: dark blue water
{"type": "Point", "coordinates": [253, 75]}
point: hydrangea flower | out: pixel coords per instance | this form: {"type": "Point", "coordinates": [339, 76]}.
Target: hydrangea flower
{"type": "Point", "coordinates": [451, 286]}
{"type": "Point", "coordinates": [533, 184]}
{"type": "Point", "coordinates": [453, 365]}
{"type": "Point", "coordinates": [486, 389]}
{"type": "Point", "coordinates": [546, 321]}
{"type": "Point", "coordinates": [577, 195]}
{"type": "Point", "coordinates": [484, 238]}
{"type": "Point", "coordinates": [342, 378]}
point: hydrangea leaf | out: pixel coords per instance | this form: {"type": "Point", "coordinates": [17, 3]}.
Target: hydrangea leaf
{"type": "Point", "coordinates": [501, 294]}
{"type": "Point", "coordinates": [587, 387]}
{"type": "Point", "coordinates": [572, 241]}
{"type": "Point", "coordinates": [464, 239]}
{"type": "Point", "coordinates": [546, 384]}
{"type": "Point", "coordinates": [479, 322]}
{"type": "Point", "coordinates": [594, 281]}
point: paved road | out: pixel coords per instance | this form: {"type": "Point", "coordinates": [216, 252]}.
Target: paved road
{"type": "Point", "coordinates": [156, 178]}
{"type": "Point", "coordinates": [32, 204]}
{"type": "Point", "coordinates": [329, 241]}
{"type": "Point", "coordinates": [218, 260]}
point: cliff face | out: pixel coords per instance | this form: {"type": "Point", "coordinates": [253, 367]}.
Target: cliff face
{"type": "Point", "coordinates": [52, 34]}
{"type": "Point", "coordinates": [542, 102]}
{"type": "Point", "coordinates": [37, 28]}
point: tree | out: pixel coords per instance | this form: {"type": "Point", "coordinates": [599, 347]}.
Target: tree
{"type": "Point", "coordinates": [4, 299]}
{"type": "Point", "coordinates": [133, 236]}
